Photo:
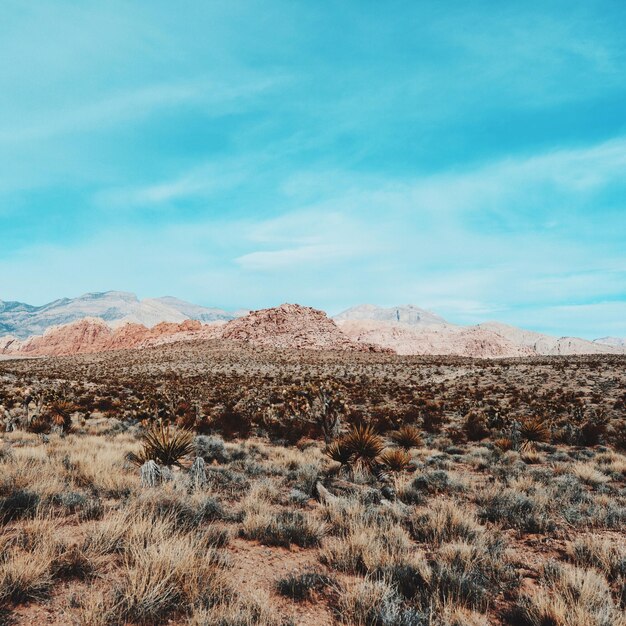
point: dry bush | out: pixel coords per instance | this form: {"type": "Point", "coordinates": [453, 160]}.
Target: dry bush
{"type": "Point", "coordinates": [606, 555]}
{"type": "Point", "coordinates": [475, 426]}
{"type": "Point", "coordinates": [444, 521]}
{"type": "Point", "coordinates": [588, 474]}
{"type": "Point", "coordinates": [407, 437]}
{"type": "Point", "coordinates": [472, 573]}
{"type": "Point", "coordinates": [283, 529]}
{"type": "Point", "coordinates": [368, 551]}
{"type": "Point", "coordinates": [395, 460]}
{"type": "Point", "coordinates": [365, 446]}
{"type": "Point", "coordinates": [569, 596]}
{"type": "Point", "coordinates": [178, 573]}
{"type": "Point", "coordinates": [534, 430]}
{"type": "Point", "coordinates": [339, 452]}
{"type": "Point", "coordinates": [25, 575]}
{"type": "Point", "coordinates": [238, 611]}
{"type": "Point", "coordinates": [368, 602]}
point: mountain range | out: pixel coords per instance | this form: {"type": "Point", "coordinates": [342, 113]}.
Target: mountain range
{"type": "Point", "coordinates": [118, 320]}
{"type": "Point", "coordinates": [114, 307]}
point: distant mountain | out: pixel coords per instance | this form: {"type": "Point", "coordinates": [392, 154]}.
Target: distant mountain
{"type": "Point", "coordinates": [409, 329]}
{"type": "Point", "coordinates": [118, 320]}
{"type": "Point", "coordinates": [405, 314]}
{"type": "Point", "coordinates": [433, 339]}
{"type": "Point", "coordinates": [547, 344]}
{"type": "Point", "coordinates": [615, 342]}
{"type": "Point", "coordinates": [289, 326]}
{"type": "Point", "coordinates": [114, 307]}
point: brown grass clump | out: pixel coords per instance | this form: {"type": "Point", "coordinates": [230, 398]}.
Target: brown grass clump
{"type": "Point", "coordinates": [607, 556]}
{"type": "Point", "coordinates": [407, 437]}
{"type": "Point", "coordinates": [444, 521]}
{"type": "Point", "coordinates": [570, 596]}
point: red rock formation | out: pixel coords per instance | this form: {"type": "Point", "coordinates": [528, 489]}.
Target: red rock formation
{"type": "Point", "coordinates": [292, 326]}
{"type": "Point", "coordinates": [94, 335]}
{"type": "Point", "coordinates": [286, 326]}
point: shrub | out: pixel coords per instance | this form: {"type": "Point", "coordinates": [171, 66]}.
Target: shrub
{"type": "Point", "coordinates": [444, 521]}
{"type": "Point", "coordinates": [569, 595]}
{"type": "Point", "coordinates": [365, 446]}
{"type": "Point", "coordinates": [164, 446]}
{"type": "Point", "coordinates": [302, 586]}
{"type": "Point", "coordinates": [407, 437]}
{"type": "Point", "coordinates": [533, 430]}
{"type": "Point", "coordinates": [283, 529]}
{"type": "Point", "coordinates": [339, 452]}
{"type": "Point", "coordinates": [516, 510]}
{"type": "Point", "coordinates": [475, 426]}
{"type": "Point", "coordinates": [397, 460]}
{"type": "Point", "coordinates": [603, 554]}
{"type": "Point", "coordinates": [211, 449]}
{"type": "Point", "coordinates": [17, 505]}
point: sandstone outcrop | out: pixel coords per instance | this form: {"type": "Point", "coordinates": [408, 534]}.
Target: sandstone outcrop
{"type": "Point", "coordinates": [292, 326]}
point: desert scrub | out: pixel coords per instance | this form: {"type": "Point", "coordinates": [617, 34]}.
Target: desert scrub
{"type": "Point", "coordinates": [176, 574]}
{"type": "Point", "coordinates": [283, 528]}
{"type": "Point", "coordinates": [345, 514]}
{"type": "Point", "coordinates": [211, 449]}
{"type": "Point", "coordinates": [569, 596]}
{"type": "Point", "coordinates": [303, 586]}
{"type": "Point", "coordinates": [17, 505]}
{"type": "Point", "coordinates": [515, 509]}
{"type": "Point", "coordinates": [369, 602]}
{"type": "Point", "coordinates": [607, 556]}
{"type": "Point", "coordinates": [444, 521]}
{"type": "Point", "coordinates": [366, 550]}
{"type": "Point", "coordinates": [472, 573]}
{"type": "Point", "coordinates": [184, 509]}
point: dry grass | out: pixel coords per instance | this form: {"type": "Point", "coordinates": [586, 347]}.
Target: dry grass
{"type": "Point", "coordinates": [446, 544]}
{"type": "Point", "coordinates": [570, 596]}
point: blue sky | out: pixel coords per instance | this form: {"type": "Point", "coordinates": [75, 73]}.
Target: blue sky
{"type": "Point", "coordinates": [466, 157]}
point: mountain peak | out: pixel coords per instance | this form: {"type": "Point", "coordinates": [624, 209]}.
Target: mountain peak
{"type": "Point", "coordinates": [401, 314]}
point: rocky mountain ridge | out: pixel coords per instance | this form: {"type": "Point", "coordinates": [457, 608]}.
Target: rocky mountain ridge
{"type": "Point", "coordinates": [405, 330]}
{"type": "Point", "coordinates": [287, 326]}
{"type": "Point", "coordinates": [114, 307]}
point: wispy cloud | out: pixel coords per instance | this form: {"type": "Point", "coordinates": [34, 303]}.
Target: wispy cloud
{"type": "Point", "coordinates": [135, 103]}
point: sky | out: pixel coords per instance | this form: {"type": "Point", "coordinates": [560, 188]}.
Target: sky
{"type": "Point", "coordinates": [469, 158]}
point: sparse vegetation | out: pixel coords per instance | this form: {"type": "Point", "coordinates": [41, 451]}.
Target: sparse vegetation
{"type": "Point", "coordinates": [328, 489]}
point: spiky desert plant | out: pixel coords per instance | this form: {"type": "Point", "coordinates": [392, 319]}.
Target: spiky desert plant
{"type": "Point", "coordinates": [395, 460]}
{"type": "Point", "coordinates": [164, 445]}
{"type": "Point", "coordinates": [365, 446]}
{"type": "Point", "coordinates": [503, 443]}
{"type": "Point", "coordinates": [339, 452]}
{"type": "Point", "coordinates": [61, 414]}
{"type": "Point", "coordinates": [406, 437]}
{"type": "Point", "coordinates": [533, 430]}
{"type": "Point", "coordinates": [39, 426]}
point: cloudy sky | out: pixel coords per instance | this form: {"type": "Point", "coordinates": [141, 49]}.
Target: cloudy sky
{"type": "Point", "coordinates": [465, 157]}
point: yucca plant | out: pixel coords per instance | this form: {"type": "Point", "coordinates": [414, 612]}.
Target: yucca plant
{"type": "Point", "coordinates": [533, 430]}
{"type": "Point", "coordinates": [164, 445]}
{"type": "Point", "coordinates": [365, 445]}
{"type": "Point", "coordinates": [339, 452]}
{"type": "Point", "coordinates": [406, 437]}
{"type": "Point", "coordinates": [395, 460]}
{"type": "Point", "coordinates": [61, 414]}
{"type": "Point", "coordinates": [503, 443]}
